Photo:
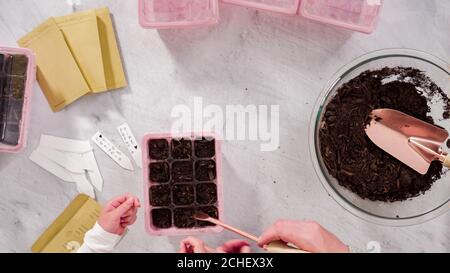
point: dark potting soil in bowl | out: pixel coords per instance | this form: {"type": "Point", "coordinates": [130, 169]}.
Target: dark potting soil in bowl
{"type": "Point", "coordinates": [352, 158]}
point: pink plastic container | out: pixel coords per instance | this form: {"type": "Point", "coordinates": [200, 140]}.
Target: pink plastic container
{"type": "Point", "coordinates": [163, 14]}
{"type": "Point", "coordinates": [357, 15]}
{"type": "Point", "coordinates": [281, 6]}
{"type": "Point", "coordinates": [195, 182]}
{"type": "Point", "coordinates": [15, 109]}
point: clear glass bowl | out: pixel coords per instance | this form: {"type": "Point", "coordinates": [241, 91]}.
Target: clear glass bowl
{"type": "Point", "coordinates": [433, 202]}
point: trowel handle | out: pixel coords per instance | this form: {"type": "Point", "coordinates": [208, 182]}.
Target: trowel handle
{"type": "Point", "coordinates": [447, 161]}
{"type": "Point", "coordinates": [282, 247]}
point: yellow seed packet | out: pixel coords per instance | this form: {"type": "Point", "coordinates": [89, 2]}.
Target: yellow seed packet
{"type": "Point", "coordinates": [81, 34]}
{"type": "Point", "coordinates": [66, 233]}
{"type": "Point", "coordinates": [76, 54]}
{"type": "Point", "coordinates": [57, 72]}
{"type": "Point", "coordinates": [114, 74]}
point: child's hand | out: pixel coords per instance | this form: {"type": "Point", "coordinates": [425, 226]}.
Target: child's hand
{"type": "Point", "coordinates": [119, 213]}
{"type": "Point", "coordinates": [195, 245]}
{"type": "Point", "coordinates": [235, 246]}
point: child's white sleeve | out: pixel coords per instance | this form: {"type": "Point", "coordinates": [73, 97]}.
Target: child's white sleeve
{"type": "Point", "coordinates": [97, 240]}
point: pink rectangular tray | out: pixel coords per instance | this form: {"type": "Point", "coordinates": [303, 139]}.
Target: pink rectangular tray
{"type": "Point", "coordinates": [164, 14]}
{"type": "Point", "coordinates": [356, 15]}
{"type": "Point", "coordinates": [146, 160]}
{"type": "Point", "coordinates": [281, 6]}
{"type": "Point", "coordinates": [31, 76]}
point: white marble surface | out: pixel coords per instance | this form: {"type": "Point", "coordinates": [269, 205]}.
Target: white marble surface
{"type": "Point", "coordinates": [249, 58]}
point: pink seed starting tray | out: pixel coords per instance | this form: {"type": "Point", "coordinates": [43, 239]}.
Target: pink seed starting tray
{"type": "Point", "coordinates": [282, 6]}
{"type": "Point", "coordinates": [182, 175]}
{"type": "Point", "coordinates": [178, 13]}
{"type": "Point", "coordinates": [357, 15]}
{"type": "Point", "coordinates": [17, 75]}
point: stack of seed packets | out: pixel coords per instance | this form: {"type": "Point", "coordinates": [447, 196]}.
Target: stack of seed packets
{"type": "Point", "coordinates": [71, 161]}
{"type": "Point", "coordinates": [76, 54]}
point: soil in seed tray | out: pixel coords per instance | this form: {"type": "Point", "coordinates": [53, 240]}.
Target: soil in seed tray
{"type": "Point", "coordinates": [183, 195]}
{"type": "Point", "coordinates": [184, 217]}
{"type": "Point", "coordinates": [158, 149]}
{"type": "Point", "coordinates": [160, 196]}
{"type": "Point", "coordinates": [204, 148]}
{"type": "Point", "coordinates": [212, 212]}
{"type": "Point", "coordinates": [181, 149]}
{"type": "Point", "coordinates": [162, 218]}
{"type": "Point", "coordinates": [206, 193]}
{"type": "Point", "coordinates": [205, 170]}
{"type": "Point", "coordinates": [19, 65]}
{"type": "Point", "coordinates": [159, 172]}
{"type": "Point", "coordinates": [183, 171]}
{"type": "Point", "coordinates": [352, 158]}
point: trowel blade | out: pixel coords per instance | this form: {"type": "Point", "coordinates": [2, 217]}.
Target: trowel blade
{"type": "Point", "coordinates": [414, 142]}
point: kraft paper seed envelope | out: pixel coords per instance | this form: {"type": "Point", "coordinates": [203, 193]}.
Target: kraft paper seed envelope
{"type": "Point", "coordinates": [76, 54]}
{"type": "Point", "coordinates": [114, 74]}
{"type": "Point", "coordinates": [57, 72]}
{"type": "Point", "coordinates": [69, 228]}
{"type": "Point", "coordinates": [82, 37]}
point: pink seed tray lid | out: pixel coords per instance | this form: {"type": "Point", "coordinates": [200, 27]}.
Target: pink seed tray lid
{"type": "Point", "coordinates": [164, 14]}
{"type": "Point", "coordinates": [146, 160]}
{"type": "Point", "coordinates": [281, 6]}
{"type": "Point", "coordinates": [356, 15]}
{"type": "Point", "coordinates": [26, 107]}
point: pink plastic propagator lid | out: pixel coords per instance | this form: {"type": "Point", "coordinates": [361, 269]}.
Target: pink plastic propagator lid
{"type": "Point", "coordinates": [281, 6]}
{"type": "Point", "coordinates": [357, 15]}
{"type": "Point", "coordinates": [163, 14]}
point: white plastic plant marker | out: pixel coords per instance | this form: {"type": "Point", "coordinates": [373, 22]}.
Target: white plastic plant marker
{"type": "Point", "coordinates": [112, 151]}
{"type": "Point", "coordinates": [94, 174]}
{"type": "Point", "coordinates": [65, 144]}
{"type": "Point", "coordinates": [83, 185]}
{"type": "Point", "coordinates": [51, 166]}
{"type": "Point", "coordinates": [132, 145]}
{"type": "Point", "coordinates": [70, 161]}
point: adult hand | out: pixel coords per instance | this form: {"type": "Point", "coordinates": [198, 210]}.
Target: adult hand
{"type": "Point", "coordinates": [119, 213]}
{"type": "Point", "coordinates": [308, 236]}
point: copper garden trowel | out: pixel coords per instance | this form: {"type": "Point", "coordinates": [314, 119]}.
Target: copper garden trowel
{"type": "Point", "coordinates": [410, 140]}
